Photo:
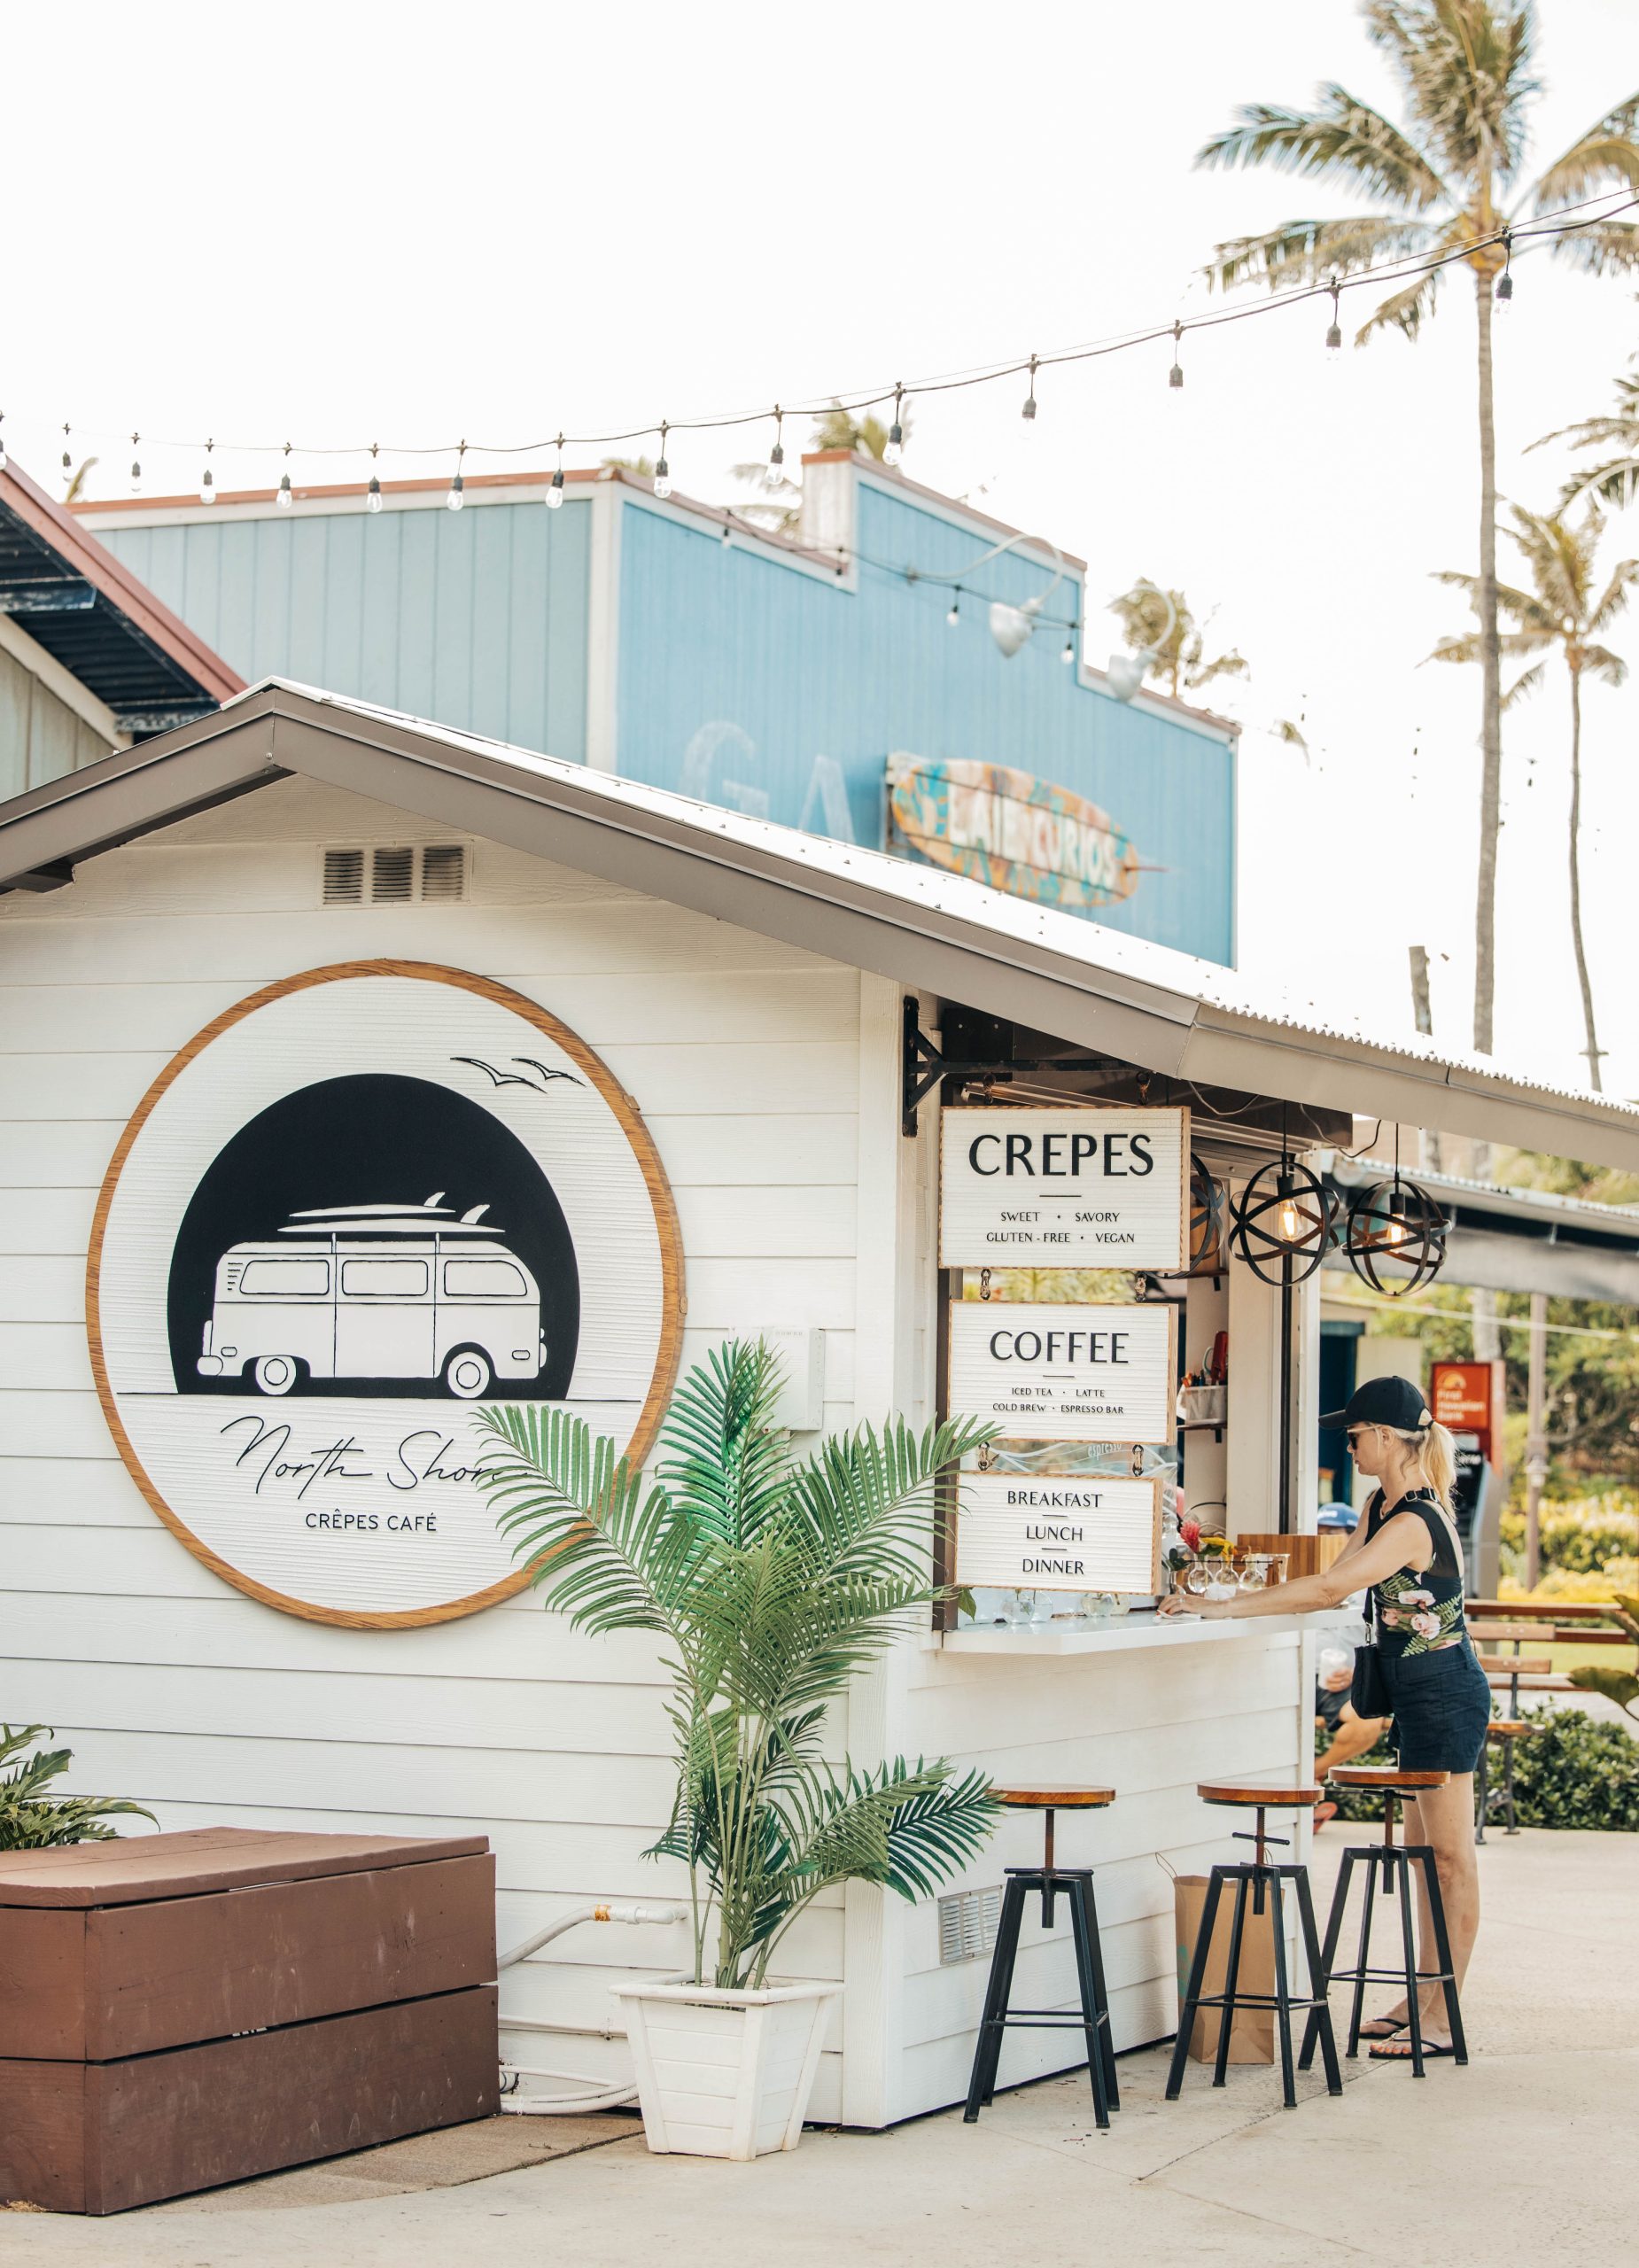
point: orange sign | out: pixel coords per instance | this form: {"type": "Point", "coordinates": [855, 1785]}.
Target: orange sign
{"type": "Point", "coordinates": [1461, 1396]}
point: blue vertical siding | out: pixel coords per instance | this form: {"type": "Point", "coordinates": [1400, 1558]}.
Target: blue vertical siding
{"type": "Point", "coordinates": [757, 685]}
{"type": "Point", "coordinates": [476, 618]}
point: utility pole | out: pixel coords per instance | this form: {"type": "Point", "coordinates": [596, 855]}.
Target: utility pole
{"type": "Point", "coordinates": [1536, 1437]}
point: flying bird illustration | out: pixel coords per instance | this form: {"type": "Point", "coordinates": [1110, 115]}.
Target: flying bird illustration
{"type": "Point", "coordinates": [517, 1078]}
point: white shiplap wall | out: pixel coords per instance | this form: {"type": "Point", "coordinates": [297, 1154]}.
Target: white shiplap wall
{"type": "Point", "coordinates": [743, 1056]}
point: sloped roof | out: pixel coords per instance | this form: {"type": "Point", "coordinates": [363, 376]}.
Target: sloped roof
{"type": "Point", "coordinates": [1054, 972]}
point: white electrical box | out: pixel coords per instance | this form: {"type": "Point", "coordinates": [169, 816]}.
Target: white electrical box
{"type": "Point", "coordinates": [801, 1408]}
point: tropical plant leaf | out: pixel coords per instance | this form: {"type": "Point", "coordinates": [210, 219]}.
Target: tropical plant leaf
{"type": "Point", "coordinates": [1618, 1685]}
{"type": "Point", "coordinates": [30, 1820]}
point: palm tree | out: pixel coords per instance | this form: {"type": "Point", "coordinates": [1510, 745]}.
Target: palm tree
{"type": "Point", "coordinates": [1177, 653]}
{"type": "Point", "coordinates": [1559, 610]}
{"type": "Point", "coordinates": [1615, 480]}
{"type": "Point", "coordinates": [1450, 182]}
{"type": "Point", "coordinates": [777, 507]}
{"type": "Point", "coordinates": [771, 1583]}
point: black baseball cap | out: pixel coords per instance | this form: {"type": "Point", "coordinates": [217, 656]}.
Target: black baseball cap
{"type": "Point", "coordinates": [1383, 1402]}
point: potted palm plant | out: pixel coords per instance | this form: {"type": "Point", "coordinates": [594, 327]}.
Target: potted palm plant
{"type": "Point", "coordinates": [770, 1580]}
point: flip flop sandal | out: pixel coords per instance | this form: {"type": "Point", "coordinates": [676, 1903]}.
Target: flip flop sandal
{"type": "Point", "coordinates": [1382, 2027]}
{"type": "Point", "coordinates": [1384, 2053]}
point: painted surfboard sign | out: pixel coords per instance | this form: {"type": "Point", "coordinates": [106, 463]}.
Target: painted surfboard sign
{"type": "Point", "coordinates": [1006, 827]}
{"type": "Point", "coordinates": [361, 1204]}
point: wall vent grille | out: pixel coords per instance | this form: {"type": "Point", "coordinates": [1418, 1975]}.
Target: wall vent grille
{"type": "Point", "coordinates": [396, 875]}
{"type": "Point", "coordinates": [968, 1921]}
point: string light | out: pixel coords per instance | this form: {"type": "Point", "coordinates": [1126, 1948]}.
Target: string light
{"type": "Point", "coordinates": [1174, 376]}
{"type": "Point", "coordinates": [457, 497]}
{"type": "Point", "coordinates": [136, 470]}
{"type": "Point", "coordinates": [663, 470]}
{"type": "Point", "coordinates": [285, 499]}
{"type": "Point", "coordinates": [373, 495]}
{"type": "Point", "coordinates": [1505, 281]}
{"type": "Point", "coordinates": [1029, 411]}
{"type": "Point", "coordinates": [207, 479]}
{"type": "Point", "coordinates": [1335, 335]}
{"type": "Point", "coordinates": [68, 462]}
{"type": "Point", "coordinates": [893, 450]}
{"type": "Point", "coordinates": [775, 473]}
{"type": "Point", "coordinates": [955, 614]}
{"type": "Point", "coordinates": [554, 487]}
{"type": "Point", "coordinates": [1069, 655]}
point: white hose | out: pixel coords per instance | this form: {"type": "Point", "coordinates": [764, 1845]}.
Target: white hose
{"type": "Point", "coordinates": [596, 2094]}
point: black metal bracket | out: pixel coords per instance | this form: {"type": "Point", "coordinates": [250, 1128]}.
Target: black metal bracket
{"type": "Point", "coordinates": [980, 1052]}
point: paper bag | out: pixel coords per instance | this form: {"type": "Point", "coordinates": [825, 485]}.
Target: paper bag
{"type": "Point", "coordinates": [1251, 2031]}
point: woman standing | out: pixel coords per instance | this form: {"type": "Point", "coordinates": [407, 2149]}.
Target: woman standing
{"type": "Point", "coordinates": [1407, 1551]}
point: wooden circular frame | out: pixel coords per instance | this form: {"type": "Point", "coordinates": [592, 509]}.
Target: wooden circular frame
{"type": "Point", "coordinates": [631, 1122]}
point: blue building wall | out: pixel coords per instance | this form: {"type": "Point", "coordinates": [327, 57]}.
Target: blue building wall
{"type": "Point", "coordinates": [782, 693]}
{"type": "Point", "coordinates": [476, 618]}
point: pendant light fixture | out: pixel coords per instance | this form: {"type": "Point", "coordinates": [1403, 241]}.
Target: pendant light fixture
{"type": "Point", "coordinates": [1206, 1245]}
{"type": "Point", "coordinates": [1282, 1222]}
{"type": "Point", "coordinates": [1397, 1223]}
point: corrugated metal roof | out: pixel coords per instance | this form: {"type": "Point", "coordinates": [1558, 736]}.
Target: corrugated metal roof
{"type": "Point", "coordinates": [1142, 1003]}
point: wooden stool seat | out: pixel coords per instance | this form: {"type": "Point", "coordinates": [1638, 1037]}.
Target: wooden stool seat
{"type": "Point", "coordinates": [1508, 1729]}
{"type": "Point", "coordinates": [1049, 1798]}
{"type": "Point", "coordinates": [1506, 1666]}
{"type": "Point", "coordinates": [1386, 1775]}
{"type": "Point", "coordinates": [1519, 1634]}
{"type": "Point", "coordinates": [1268, 1798]}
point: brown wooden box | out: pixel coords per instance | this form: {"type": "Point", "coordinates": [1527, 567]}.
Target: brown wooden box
{"type": "Point", "coordinates": [1308, 1555]}
{"type": "Point", "coordinates": [177, 2010]}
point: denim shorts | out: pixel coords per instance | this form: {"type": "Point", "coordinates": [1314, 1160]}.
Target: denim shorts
{"type": "Point", "coordinates": [1442, 1705]}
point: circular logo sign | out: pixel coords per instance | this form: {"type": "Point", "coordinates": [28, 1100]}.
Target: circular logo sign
{"type": "Point", "coordinates": [360, 1205]}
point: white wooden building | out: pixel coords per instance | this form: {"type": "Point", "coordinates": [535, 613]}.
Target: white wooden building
{"type": "Point", "coordinates": [744, 988]}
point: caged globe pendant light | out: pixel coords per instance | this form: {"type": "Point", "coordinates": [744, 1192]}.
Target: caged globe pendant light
{"type": "Point", "coordinates": [1206, 1222]}
{"type": "Point", "coordinates": [1396, 1222]}
{"type": "Point", "coordinates": [1281, 1224]}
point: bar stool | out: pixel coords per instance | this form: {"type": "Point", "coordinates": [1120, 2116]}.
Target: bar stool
{"type": "Point", "coordinates": [1397, 1860]}
{"type": "Point", "coordinates": [1074, 1884]}
{"type": "Point", "coordinates": [1262, 1878]}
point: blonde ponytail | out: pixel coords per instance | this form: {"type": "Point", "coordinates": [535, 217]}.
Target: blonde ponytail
{"type": "Point", "coordinates": [1434, 1455]}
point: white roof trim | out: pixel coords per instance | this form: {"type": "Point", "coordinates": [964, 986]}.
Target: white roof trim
{"type": "Point", "coordinates": [1050, 971]}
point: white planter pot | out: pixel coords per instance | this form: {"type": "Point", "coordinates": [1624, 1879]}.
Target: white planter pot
{"type": "Point", "coordinates": [724, 2074]}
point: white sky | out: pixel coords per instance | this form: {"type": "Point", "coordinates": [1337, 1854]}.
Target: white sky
{"type": "Point", "coordinates": [411, 224]}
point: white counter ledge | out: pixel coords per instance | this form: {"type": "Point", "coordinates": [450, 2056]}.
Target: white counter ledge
{"type": "Point", "coordinates": [1128, 1633]}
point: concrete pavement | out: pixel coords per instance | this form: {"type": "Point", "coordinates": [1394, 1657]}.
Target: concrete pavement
{"type": "Point", "coordinates": [1527, 2153]}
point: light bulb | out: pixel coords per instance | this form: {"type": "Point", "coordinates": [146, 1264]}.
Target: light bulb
{"type": "Point", "coordinates": [456, 498]}
{"type": "Point", "coordinates": [775, 473]}
{"type": "Point", "coordinates": [1334, 337]}
{"type": "Point", "coordinates": [1174, 376]}
{"type": "Point", "coordinates": [207, 487]}
{"type": "Point", "coordinates": [955, 615]}
{"type": "Point", "coordinates": [554, 492]}
{"type": "Point", "coordinates": [285, 499]}
{"type": "Point", "coordinates": [136, 478]}
{"type": "Point", "coordinates": [1029, 411]}
{"type": "Point", "coordinates": [373, 496]}
{"type": "Point", "coordinates": [1068, 655]}
{"type": "Point", "coordinates": [1396, 1232]}
{"type": "Point", "coordinates": [894, 449]}
{"type": "Point", "coordinates": [663, 479]}
{"type": "Point", "coordinates": [1504, 287]}
{"type": "Point", "coordinates": [1291, 1221]}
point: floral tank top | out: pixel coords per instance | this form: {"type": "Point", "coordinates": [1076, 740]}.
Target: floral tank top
{"type": "Point", "coordinates": [1419, 1614]}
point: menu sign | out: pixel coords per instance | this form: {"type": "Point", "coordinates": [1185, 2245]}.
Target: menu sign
{"type": "Point", "coordinates": [1063, 1187]}
{"type": "Point", "coordinates": [1053, 1373]}
{"type": "Point", "coordinates": [1045, 1532]}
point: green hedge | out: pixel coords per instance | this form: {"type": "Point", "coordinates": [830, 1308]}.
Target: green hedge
{"type": "Point", "coordinates": [1571, 1770]}
{"type": "Point", "coordinates": [1582, 1543]}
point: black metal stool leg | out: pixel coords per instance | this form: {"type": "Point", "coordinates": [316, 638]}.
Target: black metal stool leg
{"type": "Point", "coordinates": [1508, 1787]}
{"type": "Point", "coordinates": [1231, 1979]}
{"type": "Point", "coordinates": [1414, 1996]}
{"type": "Point", "coordinates": [1318, 1961]}
{"type": "Point", "coordinates": [1328, 1952]}
{"type": "Point", "coordinates": [1482, 1790]}
{"type": "Point", "coordinates": [1095, 2019]}
{"type": "Point", "coordinates": [1363, 1958]}
{"type": "Point", "coordinates": [987, 2054]}
{"type": "Point", "coordinates": [1425, 1858]}
{"type": "Point", "coordinates": [1283, 1990]}
{"type": "Point", "coordinates": [1112, 2085]}
{"type": "Point", "coordinates": [1192, 1991]}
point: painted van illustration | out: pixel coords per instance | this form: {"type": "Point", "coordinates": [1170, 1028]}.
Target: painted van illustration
{"type": "Point", "coordinates": [377, 1292]}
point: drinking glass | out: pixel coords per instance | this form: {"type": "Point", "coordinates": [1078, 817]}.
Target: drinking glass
{"type": "Point", "coordinates": [1252, 1571]}
{"type": "Point", "coordinates": [1196, 1579]}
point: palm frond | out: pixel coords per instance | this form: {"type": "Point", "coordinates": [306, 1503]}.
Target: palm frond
{"type": "Point", "coordinates": [1612, 600]}
{"type": "Point", "coordinates": [1600, 661]}
{"type": "Point", "coordinates": [1606, 155]}
{"type": "Point", "coordinates": [1524, 687]}
{"type": "Point", "coordinates": [1615, 483]}
{"type": "Point", "coordinates": [1307, 252]}
{"type": "Point", "coordinates": [1608, 248]}
{"type": "Point", "coordinates": [1405, 311]}
{"type": "Point", "coordinates": [1344, 139]}
{"type": "Point", "coordinates": [726, 1466]}
{"type": "Point", "coordinates": [31, 1819]}
{"type": "Point", "coordinates": [1468, 648]}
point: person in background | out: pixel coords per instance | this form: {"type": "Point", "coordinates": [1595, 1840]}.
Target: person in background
{"type": "Point", "coordinates": [1348, 1735]}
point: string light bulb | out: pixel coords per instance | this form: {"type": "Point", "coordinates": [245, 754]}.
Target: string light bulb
{"type": "Point", "coordinates": [775, 473]}
{"type": "Point", "coordinates": [554, 487]}
{"type": "Point", "coordinates": [136, 470]}
{"type": "Point", "coordinates": [955, 614]}
{"type": "Point", "coordinates": [285, 499]}
{"type": "Point", "coordinates": [1335, 335]}
{"type": "Point", "coordinates": [372, 496]}
{"type": "Point", "coordinates": [1174, 376]}
{"type": "Point", "coordinates": [663, 470]}
{"type": "Point", "coordinates": [1505, 281]}
{"type": "Point", "coordinates": [1029, 411]}
{"type": "Point", "coordinates": [893, 450]}
{"type": "Point", "coordinates": [1069, 655]}
{"type": "Point", "coordinates": [207, 478]}
{"type": "Point", "coordinates": [457, 495]}
{"type": "Point", "coordinates": [68, 462]}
